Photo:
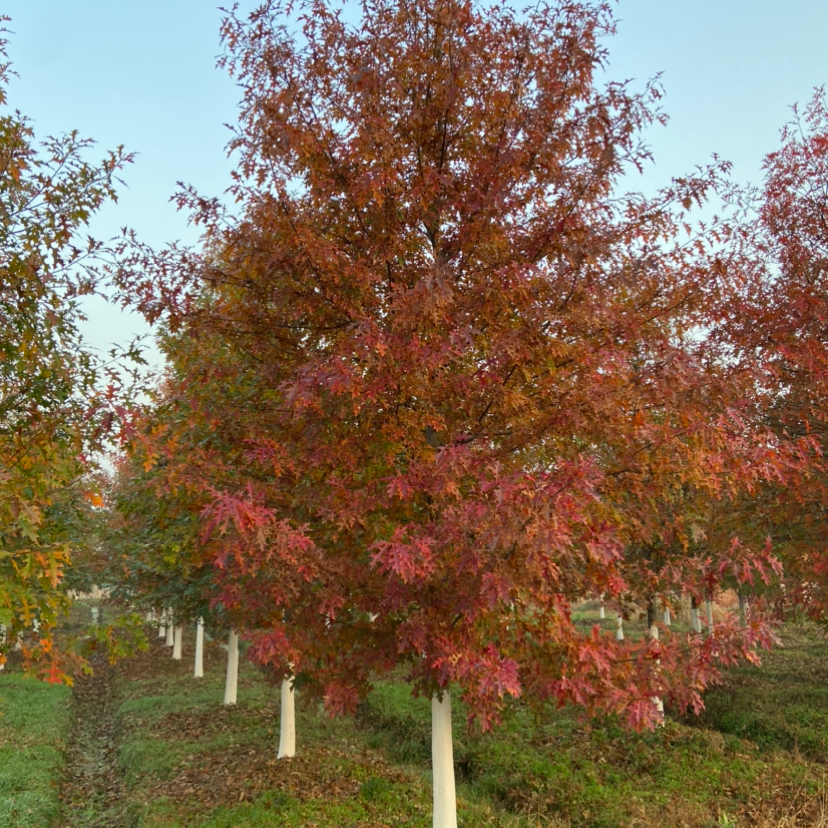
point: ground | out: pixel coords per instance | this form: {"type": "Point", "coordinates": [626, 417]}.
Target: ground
{"type": "Point", "coordinates": [145, 745]}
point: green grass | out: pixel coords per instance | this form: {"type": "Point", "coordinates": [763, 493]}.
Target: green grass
{"type": "Point", "coordinates": [34, 727]}
{"type": "Point", "coordinates": [190, 763]}
{"type": "Point", "coordinates": [782, 705]}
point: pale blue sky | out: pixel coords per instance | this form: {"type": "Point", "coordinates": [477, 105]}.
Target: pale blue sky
{"type": "Point", "coordinates": [142, 74]}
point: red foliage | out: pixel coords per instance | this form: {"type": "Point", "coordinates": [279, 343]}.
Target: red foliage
{"type": "Point", "coordinates": [451, 379]}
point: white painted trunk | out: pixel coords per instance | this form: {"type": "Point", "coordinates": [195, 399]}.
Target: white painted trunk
{"type": "Point", "coordinates": [442, 763]}
{"type": "Point", "coordinates": [231, 686]}
{"type": "Point", "coordinates": [709, 607]}
{"type": "Point", "coordinates": [170, 630]}
{"type": "Point", "coordinates": [178, 640]}
{"type": "Point", "coordinates": [198, 670]}
{"type": "Point", "coordinates": [619, 631]}
{"type": "Point", "coordinates": [601, 612]}
{"type": "Point", "coordinates": [657, 700]}
{"type": "Point", "coordinates": [94, 614]}
{"type": "Point", "coordinates": [150, 617]}
{"type": "Point", "coordinates": [162, 628]}
{"type": "Point", "coordinates": [668, 618]}
{"type": "Point", "coordinates": [287, 721]}
{"type": "Point", "coordinates": [694, 617]}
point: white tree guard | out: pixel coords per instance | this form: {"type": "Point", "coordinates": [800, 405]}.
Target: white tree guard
{"type": "Point", "coordinates": [709, 607]}
{"type": "Point", "coordinates": [601, 611]}
{"type": "Point", "coordinates": [287, 721]}
{"type": "Point", "coordinates": [231, 686]}
{"type": "Point", "coordinates": [149, 617]}
{"type": "Point", "coordinates": [442, 763]}
{"type": "Point", "coordinates": [619, 630]}
{"type": "Point", "coordinates": [198, 670]}
{"type": "Point", "coordinates": [178, 641]}
{"type": "Point", "coordinates": [668, 618]}
{"type": "Point", "coordinates": [170, 642]}
{"type": "Point", "coordinates": [94, 611]}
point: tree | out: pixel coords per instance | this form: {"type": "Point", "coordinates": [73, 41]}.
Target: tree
{"type": "Point", "coordinates": [785, 317]}
{"type": "Point", "coordinates": [53, 412]}
{"type": "Point", "coordinates": [476, 390]}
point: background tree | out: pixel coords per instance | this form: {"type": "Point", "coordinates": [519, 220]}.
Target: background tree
{"type": "Point", "coordinates": [53, 412]}
{"type": "Point", "coordinates": [785, 317]}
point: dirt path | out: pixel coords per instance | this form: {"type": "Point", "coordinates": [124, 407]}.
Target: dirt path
{"type": "Point", "coordinates": [92, 794]}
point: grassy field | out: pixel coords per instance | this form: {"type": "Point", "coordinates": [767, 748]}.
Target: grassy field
{"type": "Point", "coordinates": [757, 757]}
{"type": "Point", "coordinates": [34, 729]}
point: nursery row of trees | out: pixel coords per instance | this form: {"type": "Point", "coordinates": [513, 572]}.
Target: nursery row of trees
{"type": "Point", "coordinates": [434, 375]}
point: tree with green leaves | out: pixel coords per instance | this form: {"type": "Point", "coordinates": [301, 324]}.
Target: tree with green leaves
{"type": "Point", "coordinates": [54, 410]}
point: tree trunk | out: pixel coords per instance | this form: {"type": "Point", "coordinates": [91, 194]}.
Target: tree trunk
{"type": "Point", "coordinates": [668, 619]}
{"type": "Point", "coordinates": [232, 683]}
{"type": "Point", "coordinates": [198, 672]}
{"type": "Point", "coordinates": [743, 609]}
{"type": "Point", "coordinates": [657, 700]}
{"type": "Point", "coordinates": [170, 630]}
{"type": "Point", "coordinates": [695, 618]}
{"type": "Point", "coordinates": [709, 607]}
{"type": "Point", "coordinates": [178, 637]}
{"type": "Point", "coordinates": [162, 625]}
{"type": "Point", "coordinates": [601, 613]}
{"type": "Point", "coordinates": [150, 617]}
{"type": "Point", "coordinates": [287, 721]}
{"type": "Point", "coordinates": [442, 763]}
{"type": "Point", "coordinates": [619, 632]}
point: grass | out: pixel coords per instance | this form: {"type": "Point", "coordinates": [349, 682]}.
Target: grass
{"type": "Point", "coordinates": [190, 763]}
{"type": "Point", "coordinates": [782, 705]}
{"type": "Point", "coordinates": [594, 775]}
{"type": "Point", "coordinates": [757, 757]}
{"type": "Point", "coordinates": [34, 727]}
